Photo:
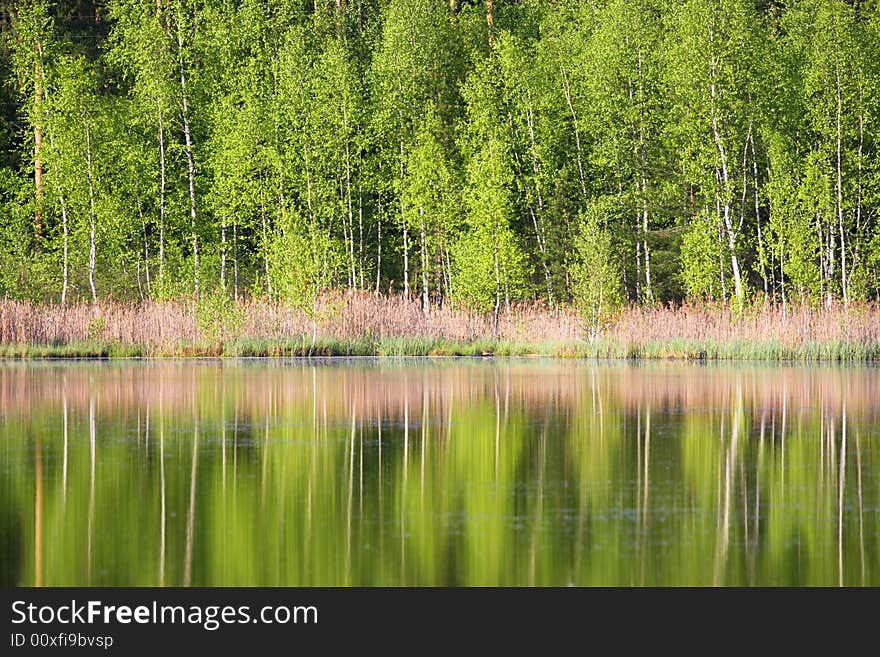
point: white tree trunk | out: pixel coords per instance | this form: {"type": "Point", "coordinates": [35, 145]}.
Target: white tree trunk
{"type": "Point", "coordinates": [190, 159]}
{"type": "Point", "coordinates": [93, 217]}
{"type": "Point", "coordinates": [161, 191]}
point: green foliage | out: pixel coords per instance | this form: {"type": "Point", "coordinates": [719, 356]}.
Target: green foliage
{"type": "Point", "coordinates": [597, 281]}
{"type": "Point", "coordinates": [96, 328]}
{"type": "Point", "coordinates": [218, 317]}
{"type": "Point", "coordinates": [414, 154]}
{"type": "Point", "coordinates": [702, 259]}
{"type": "Point", "coordinates": [478, 284]}
{"type": "Point", "coordinates": [301, 265]}
{"type": "Point", "coordinates": [489, 266]}
{"type": "Point", "coordinates": [429, 198]}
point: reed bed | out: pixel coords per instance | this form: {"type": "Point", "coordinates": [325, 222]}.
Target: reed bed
{"type": "Point", "coordinates": [360, 324]}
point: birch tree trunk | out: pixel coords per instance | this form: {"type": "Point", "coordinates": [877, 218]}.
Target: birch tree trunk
{"type": "Point", "coordinates": [406, 290]}
{"type": "Point", "coordinates": [538, 214]}
{"type": "Point", "coordinates": [726, 186]}
{"type": "Point", "coordinates": [39, 80]}
{"type": "Point", "coordinates": [424, 249]}
{"type": "Point", "coordinates": [93, 218]}
{"type": "Point", "coordinates": [161, 190]}
{"type": "Point", "coordinates": [65, 237]}
{"type": "Point", "coordinates": [761, 264]}
{"type": "Point", "coordinates": [840, 224]}
{"type": "Point", "coordinates": [65, 247]}
{"type": "Point", "coordinates": [566, 88]}
{"type": "Point", "coordinates": [490, 21]}
{"type": "Point", "coordinates": [190, 158]}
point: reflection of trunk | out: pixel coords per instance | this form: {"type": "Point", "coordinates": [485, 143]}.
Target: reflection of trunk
{"type": "Point", "coordinates": [405, 437]}
{"type": "Point", "coordinates": [598, 433]}
{"type": "Point", "coordinates": [782, 440]}
{"type": "Point", "coordinates": [379, 466]}
{"type": "Point", "coordinates": [745, 518]}
{"type": "Point", "coordinates": [191, 515]}
{"type": "Point", "coordinates": [234, 457]}
{"type": "Point", "coordinates": [348, 518]}
{"type": "Point", "coordinates": [162, 512]}
{"type": "Point", "coordinates": [92, 459]}
{"type": "Point", "coordinates": [757, 519]}
{"type": "Point", "coordinates": [724, 525]}
{"type": "Point", "coordinates": [642, 467]}
{"type": "Point", "coordinates": [639, 460]}
{"type": "Point", "coordinates": [403, 489]}
{"type": "Point", "coordinates": [646, 481]}
{"type": "Point", "coordinates": [313, 460]}
{"type": "Point", "coordinates": [64, 467]}
{"type": "Point", "coordinates": [38, 512]}
{"type": "Point", "coordinates": [264, 470]}
{"type": "Point", "coordinates": [223, 449]}
{"type": "Point", "coordinates": [841, 486]}
{"type": "Point", "coordinates": [424, 452]}
{"type": "Point", "coordinates": [497, 425]}
{"type": "Point", "coordinates": [861, 507]}
{"type": "Point", "coordinates": [537, 520]}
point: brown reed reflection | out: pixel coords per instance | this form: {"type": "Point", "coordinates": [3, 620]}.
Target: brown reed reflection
{"type": "Point", "coordinates": [372, 383]}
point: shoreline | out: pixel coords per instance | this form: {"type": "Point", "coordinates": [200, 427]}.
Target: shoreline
{"type": "Point", "coordinates": [673, 349]}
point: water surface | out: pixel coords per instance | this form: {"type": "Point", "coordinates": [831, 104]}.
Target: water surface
{"type": "Point", "coordinates": [438, 472]}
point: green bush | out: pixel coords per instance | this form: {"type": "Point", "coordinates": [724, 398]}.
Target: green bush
{"type": "Point", "coordinates": [218, 317]}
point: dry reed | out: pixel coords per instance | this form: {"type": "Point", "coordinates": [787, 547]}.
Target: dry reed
{"type": "Point", "coordinates": [688, 331]}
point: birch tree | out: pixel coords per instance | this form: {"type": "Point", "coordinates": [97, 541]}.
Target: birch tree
{"type": "Point", "coordinates": [711, 50]}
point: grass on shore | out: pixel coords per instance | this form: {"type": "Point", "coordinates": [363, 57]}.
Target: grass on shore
{"type": "Point", "coordinates": [305, 347]}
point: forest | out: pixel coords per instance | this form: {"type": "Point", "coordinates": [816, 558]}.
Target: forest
{"type": "Point", "coordinates": [476, 154]}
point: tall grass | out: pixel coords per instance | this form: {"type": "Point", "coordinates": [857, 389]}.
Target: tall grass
{"type": "Point", "coordinates": [360, 324]}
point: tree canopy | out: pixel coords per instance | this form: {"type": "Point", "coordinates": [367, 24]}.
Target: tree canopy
{"type": "Point", "coordinates": [474, 153]}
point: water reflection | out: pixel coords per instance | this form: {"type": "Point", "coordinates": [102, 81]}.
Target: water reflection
{"type": "Point", "coordinates": [438, 473]}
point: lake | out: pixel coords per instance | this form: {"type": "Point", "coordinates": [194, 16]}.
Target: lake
{"type": "Point", "coordinates": [423, 472]}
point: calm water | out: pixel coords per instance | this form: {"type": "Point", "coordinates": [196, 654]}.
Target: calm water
{"type": "Point", "coordinates": [438, 473]}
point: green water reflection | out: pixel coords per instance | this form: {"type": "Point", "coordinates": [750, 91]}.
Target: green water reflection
{"type": "Point", "coordinates": [438, 473]}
